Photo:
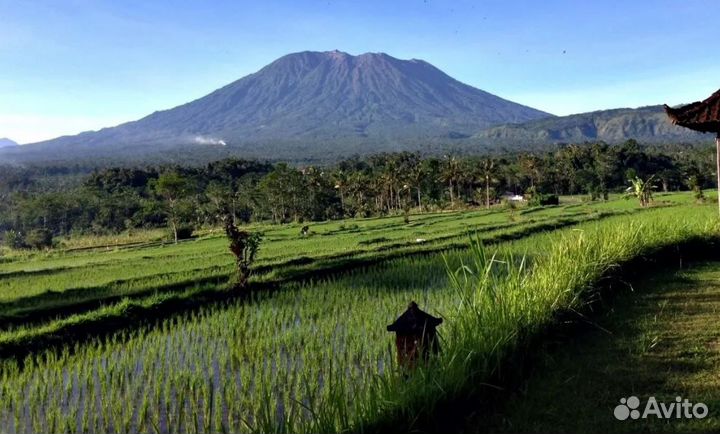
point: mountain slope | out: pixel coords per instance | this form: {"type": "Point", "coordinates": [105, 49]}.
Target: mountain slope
{"type": "Point", "coordinates": [372, 100]}
{"type": "Point", "coordinates": [645, 124]}
{"type": "Point", "coordinates": [6, 143]}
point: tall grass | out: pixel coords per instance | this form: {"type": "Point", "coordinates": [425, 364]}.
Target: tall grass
{"type": "Point", "coordinates": [502, 298]}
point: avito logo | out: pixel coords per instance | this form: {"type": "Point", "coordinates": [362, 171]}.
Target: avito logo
{"type": "Point", "coordinates": [681, 408]}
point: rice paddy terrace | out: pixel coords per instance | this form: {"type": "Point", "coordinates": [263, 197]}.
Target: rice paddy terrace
{"type": "Point", "coordinates": [143, 336]}
{"type": "Point", "coordinates": [71, 279]}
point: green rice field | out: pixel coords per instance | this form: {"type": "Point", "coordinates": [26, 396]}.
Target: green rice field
{"type": "Point", "coordinates": [312, 355]}
{"type": "Point", "coordinates": [31, 282]}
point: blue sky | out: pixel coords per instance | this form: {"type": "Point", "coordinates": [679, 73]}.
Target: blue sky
{"type": "Point", "coordinates": [72, 65]}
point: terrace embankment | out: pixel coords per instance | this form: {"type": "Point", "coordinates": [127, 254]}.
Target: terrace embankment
{"type": "Point", "coordinates": [646, 328]}
{"type": "Point", "coordinates": [54, 318]}
{"type": "Point", "coordinates": [557, 298]}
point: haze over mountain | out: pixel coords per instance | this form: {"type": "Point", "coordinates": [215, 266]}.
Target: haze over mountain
{"type": "Point", "coordinates": [6, 143]}
{"type": "Point", "coordinates": [307, 100]}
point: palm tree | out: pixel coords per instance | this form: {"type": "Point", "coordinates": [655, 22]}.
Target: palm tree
{"type": "Point", "coordinates": [488, 171]}
{"type": "Point", "coordinates": [568, 162]}
{"type": "Point", "coordinates": [450, 174]}
{"type": "Point", "coordinates": [415, 178]}
{"type": "Point", "coordinates": [172, 187]}
{"type": "Point", "coordinates": [341, 182]}
{"type": "Point", "coordinates": [529, 166]}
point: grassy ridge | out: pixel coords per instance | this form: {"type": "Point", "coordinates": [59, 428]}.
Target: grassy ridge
{"type": "Point", "coordinates": [660, 340]}
{"type": "Point", "coordinates": [316, 357]}
{"type": "Point", "coordinates": [501, 302]}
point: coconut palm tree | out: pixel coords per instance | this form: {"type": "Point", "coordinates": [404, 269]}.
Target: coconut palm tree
{"type": "Point", "coordinates": [450, 174]}
{"type": "Point", "coordinates": [416, 175]}
{"type": "Point", "coordinates": [488, 171]}
{"type": "Point", "coordinates": [341, 182]}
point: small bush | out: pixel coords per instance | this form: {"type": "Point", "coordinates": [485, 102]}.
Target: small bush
{"type": "Point", "coordinates": [244, 245]}
{"type": "Point", "coordinates": [14, 239]}
{"type": "Point", "coordinates": [698, 194]}
{"type": "Point", "coordinates": [39, 239]}
{"type": "Point", "coordinates": [185, 232]}
{"type": "Point", "coordinates": [541, 199]}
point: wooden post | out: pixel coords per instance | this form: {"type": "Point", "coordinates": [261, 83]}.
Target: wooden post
{"type": "Point", "coordinates": [717, 168]}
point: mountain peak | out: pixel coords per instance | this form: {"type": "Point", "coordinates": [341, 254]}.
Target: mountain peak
{"type": "Point", "coordinates": [342, 56]}
{"type": "Point", "coordinates": [378, 55]}
{"type": "Point", "coordinates": [310, 99]}
{"type": "Point", "coordinates": [337, 54]}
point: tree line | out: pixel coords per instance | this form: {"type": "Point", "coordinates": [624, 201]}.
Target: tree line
{"type": "Point", "coordinates": [36, 205]}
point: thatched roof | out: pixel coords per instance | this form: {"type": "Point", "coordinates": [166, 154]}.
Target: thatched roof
{"type": "Point", "coordinates": [414, 321]}
{"type": "Point", "coordinates": [703, 116]}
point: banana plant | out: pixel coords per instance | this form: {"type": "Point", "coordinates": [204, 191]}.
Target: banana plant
{"type": "Point", "coordinates": [640, 189]}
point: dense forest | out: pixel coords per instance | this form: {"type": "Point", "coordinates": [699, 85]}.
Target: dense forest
{"type": "Point", "coordinates": [39, 203]}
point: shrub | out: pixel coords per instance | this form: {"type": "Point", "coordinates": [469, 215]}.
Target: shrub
{"type": "Point", "coordinates": [39, 238]}
{"type": "Point", "coordinates": [185, 232]}
{"type": "Point", "coordinates": [695, 185]}
{"type": "Point", "coordinates": [540, 199]}
{"type": "Point", "coordinates": [244, 245]}
{"type": "Point", "coordinates": [14, 239]}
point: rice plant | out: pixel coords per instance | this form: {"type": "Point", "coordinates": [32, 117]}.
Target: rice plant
{"type": "Point", "coordinates": [315, 356]}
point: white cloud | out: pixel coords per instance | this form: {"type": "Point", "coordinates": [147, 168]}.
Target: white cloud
{"type": "Point", "coordinates": [200, 140]}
